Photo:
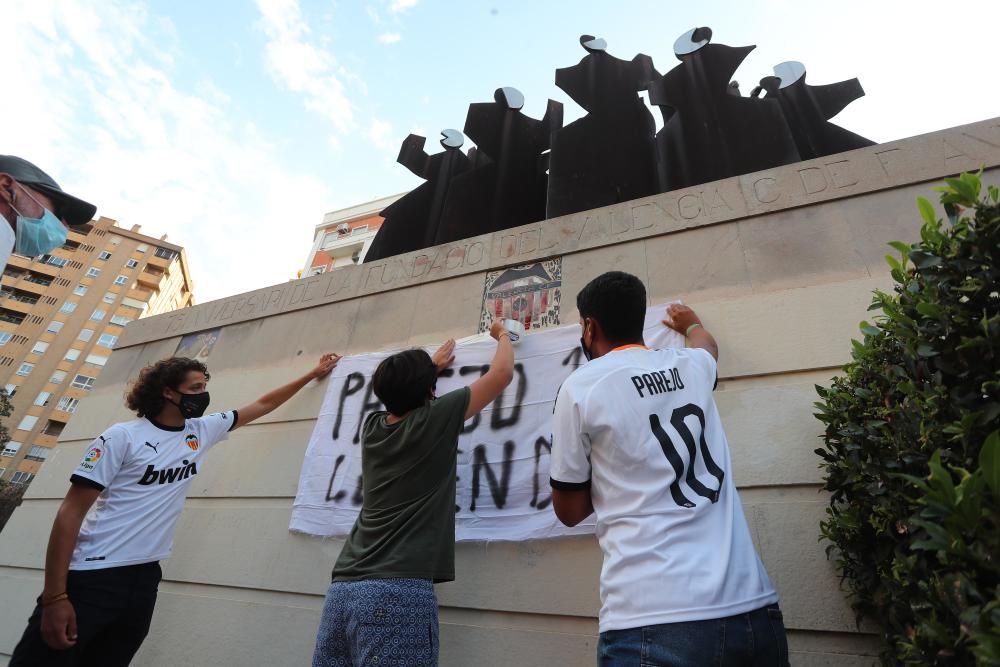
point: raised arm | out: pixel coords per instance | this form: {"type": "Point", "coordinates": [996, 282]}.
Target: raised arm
{"type": "Point", "coordinates": [486, 389]}
{"type": "Point", "coordinates": [273, 399]}
{"type": "Point", "coordinates": [685, 321]}
{"type": "Point", "coordinates": [58, 615]}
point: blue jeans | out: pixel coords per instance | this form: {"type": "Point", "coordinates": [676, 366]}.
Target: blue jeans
{"type": "Point", "coordinates": [755, 639]}
{"type": "Point", "coordinates": [378, 622]}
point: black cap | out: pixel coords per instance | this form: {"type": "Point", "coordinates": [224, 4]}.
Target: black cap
{"type": "Point", "coordinates": [68, 208]}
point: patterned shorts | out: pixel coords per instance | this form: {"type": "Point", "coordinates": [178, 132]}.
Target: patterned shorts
{"type": "Point", "coordinates": [391, 622]}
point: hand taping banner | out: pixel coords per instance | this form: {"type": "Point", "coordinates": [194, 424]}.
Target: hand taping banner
{"type": "Point", "coordinates": [503, 453]}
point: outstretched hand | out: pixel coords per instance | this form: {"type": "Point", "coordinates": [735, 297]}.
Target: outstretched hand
{"type": "Point", "coordinates": [326, 364]}
{"type": "Point", "coordinates": [680, 317]}
{"type": "Point", "coordinates": [445, 355]}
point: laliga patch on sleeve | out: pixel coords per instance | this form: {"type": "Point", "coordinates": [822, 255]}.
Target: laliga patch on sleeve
{"type": "Point", "coordinates": [90, 460]}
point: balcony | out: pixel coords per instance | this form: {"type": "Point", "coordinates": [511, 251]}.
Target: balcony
{"type": "Point", "coordinates": [17, 305]}
{"type": "Point", "coordinates": [161, 263]}
{"type": "Point", "coordinates": [150, 280]}
{"type": "Point", "coordinates": [139, 294]}
{"type": "Point", "coordinates": [32, 288]}
{"type": "Point", "coordinates": [11, 316]}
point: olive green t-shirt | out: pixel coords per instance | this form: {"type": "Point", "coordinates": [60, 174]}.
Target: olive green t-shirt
{"type": "Point", "coordinates": [406, 528]}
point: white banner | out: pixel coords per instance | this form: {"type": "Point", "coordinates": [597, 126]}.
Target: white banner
{"type": "Point", "coordinates": [503, 453]}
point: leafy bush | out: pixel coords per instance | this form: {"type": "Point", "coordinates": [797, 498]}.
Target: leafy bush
{"type": "Point", "coordinates": [912, 443]}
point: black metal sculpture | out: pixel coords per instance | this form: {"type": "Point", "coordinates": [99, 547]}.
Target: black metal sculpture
{"type": "Point", "coordinates": [711, 131]}
{"type": "Point", "coordinates": [607, 156]}
{"type": "Point", "coordinates": [808, 110]}
{"type": "Point", "coordinates": [413, 222]}
{"type": "Point", "coordinates": [509, 189]}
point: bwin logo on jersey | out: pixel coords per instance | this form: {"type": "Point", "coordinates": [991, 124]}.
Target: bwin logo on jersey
{"type": "Point", "coordinates": [169, 475]}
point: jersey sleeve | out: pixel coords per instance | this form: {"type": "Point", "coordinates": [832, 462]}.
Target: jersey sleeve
{"type": "Point", "coordinates": [707, 363]}
{"type": "Point", "coordinates": [216, 427]}
{"type": "Point", "coordinates": [103, 459]}
{"type": "Point", "coordinates": [569, 467]}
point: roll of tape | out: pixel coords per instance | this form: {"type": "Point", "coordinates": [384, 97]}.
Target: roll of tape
{"type": "Point", "coordinates": [516, 330]}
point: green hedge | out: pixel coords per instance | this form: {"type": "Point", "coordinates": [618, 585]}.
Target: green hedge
{"type": "Point", "coordinates": [912, 443]}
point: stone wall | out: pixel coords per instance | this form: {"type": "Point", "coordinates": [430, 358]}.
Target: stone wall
{"type": "Point", "coordinates": [780, 264]}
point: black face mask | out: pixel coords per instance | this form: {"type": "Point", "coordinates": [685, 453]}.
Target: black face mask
{"type": "Point", "coordinates": [193, 406]}
{"type": "Point", "coordinates": [586, 353]}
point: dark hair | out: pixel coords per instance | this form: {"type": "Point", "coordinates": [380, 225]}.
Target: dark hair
{"type": "Point", "coordinates": [403, 382]}
{"type": "Point", "coordinates": [145, 396]}
{"type": "Point", "coordinates": [618, 301]}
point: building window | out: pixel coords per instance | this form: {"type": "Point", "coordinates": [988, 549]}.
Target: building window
{"type": "Point", "coordinates": [120, 320]}
{"type": "Point", "coordinates": [5, 337]}
{"type": "Point", "coordinates": [121, 280]}
{"type": "Point", "coordinates": [360, 229]}
{"type": "Point", "coordinates": [67, 307]}
{"type": "Point", "coordinates": [55, 261]}
{"type": "Point", "coordinates": [53, 427]}
{"type": "Point", "coordinates": [83, 382]}
{"type": "Point", "coordinates": [37, 453]}
{"type": "Point", "coordinates": [11, 389]}
{"type": "Point", "coordinates": [132, 263]}
{"type": "Point", "coordinates": [68, 404]}
{"type": "Point", "coordinates": [142, 247]}
{"type": "Point", "coordinates": [57, 377]}
{"type": "Point", "coordinates": [40, 347]}
{"type": "Point", "coordinates": [22, 478]}
{"type": "Point", "coordinates": [80, 290]}
{"type": "Point", "coordinates": [164, 253]}
{"type": "Point", "coordinates": [107, 340]}
{"type": "Point", "coordinates": [43, 398]}
{"type": "Point", "coordinates": [109, 297]}
{"type": "Point", "coordinates": [316, 270]}
{"type": "Point", "coordinates": [54, 327]}
{"type": "Point", "coordinates": [10, 448]}
{"type": "Point", "coordinates": [98, 315]}
{"type": "Point", "coordinates": [72, 354]}
{"type": "Point", "coordinates": [25, 369]}
{"type": "Point", "coordinates": [104, 255]}
{"type": "Point", "coordinates": [85, 335]}
{"type": "Point", "coordinates": [93, 272]}
{"type": "Point", "coordinates": [28, 423]}
{"type": "Point", "coordinates": [96, 360]}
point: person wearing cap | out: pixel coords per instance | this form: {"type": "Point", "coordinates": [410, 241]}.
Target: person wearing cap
{"type": "Point", "coordinates": [36, 209]}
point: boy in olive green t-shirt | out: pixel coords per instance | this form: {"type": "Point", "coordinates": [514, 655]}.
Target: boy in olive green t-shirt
{"type": "Point", "coordinates": [381, 604]}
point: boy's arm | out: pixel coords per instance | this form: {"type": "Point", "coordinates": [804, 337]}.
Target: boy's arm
{"type": "Point", "coordinates": [685, 321]}
{"type": "Point", "coordinates": [485, 390]}
{"type": "Point", "coordinates": [273, 399]}
{"type": "Point", "coordinates": [58, 615]}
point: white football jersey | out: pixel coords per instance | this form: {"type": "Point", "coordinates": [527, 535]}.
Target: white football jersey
{"type": "Point", "coordinates": [640, 428]}
{"type": "Point", "coordinates": [144, 471]}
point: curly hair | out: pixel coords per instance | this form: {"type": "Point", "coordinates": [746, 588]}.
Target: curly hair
{"type": "Point", "coordinates": [145, 396]}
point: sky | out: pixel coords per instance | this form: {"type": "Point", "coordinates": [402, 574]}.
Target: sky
{"type": "Point", "coordinates": [232, 126]}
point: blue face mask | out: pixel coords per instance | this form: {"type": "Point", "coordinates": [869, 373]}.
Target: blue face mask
{"type": "Point", "coordinates": [38, 236]}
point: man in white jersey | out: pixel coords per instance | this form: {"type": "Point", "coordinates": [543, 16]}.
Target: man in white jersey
{"type": "Point", "coordinates": [102, 568]}
{"type": "Point", "coordinates": [637, 440]}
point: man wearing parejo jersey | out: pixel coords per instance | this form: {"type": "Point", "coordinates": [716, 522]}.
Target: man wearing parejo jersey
{"type": "Point", "coordinates": [637, 440]}
{"type": "Point", "coordinates": [102, 568]}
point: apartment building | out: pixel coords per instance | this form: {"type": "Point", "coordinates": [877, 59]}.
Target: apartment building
{"type": "Point", "coordinates": [344, 236]}
{"type": "Point", "coordinates": [61, 315]}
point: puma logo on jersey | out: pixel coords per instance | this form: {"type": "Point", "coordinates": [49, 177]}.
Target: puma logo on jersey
{"type": "Point", "coordinates": [168, 475]}
{"type": "Point", "coordinates": [152, 446]}
{"type": "Point", "coordinates": [657, 382]}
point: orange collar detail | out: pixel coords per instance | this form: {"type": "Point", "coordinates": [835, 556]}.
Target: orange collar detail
{"type": "Point", "coordinates": [630, 346]}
